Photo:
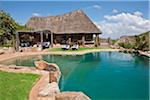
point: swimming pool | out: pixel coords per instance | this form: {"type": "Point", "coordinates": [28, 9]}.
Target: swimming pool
{"type": "Point", "coordinates": [100, 75]}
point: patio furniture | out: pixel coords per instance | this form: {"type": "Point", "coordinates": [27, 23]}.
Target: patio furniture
{"type": "Point", "coordinates": [46, 44]}
{"type": "Point", "coordinates": [75, 47]}
{"type": "Point", "coordinates": [66, 47]}
{"type": "Point", "coordinates": [25, 44]}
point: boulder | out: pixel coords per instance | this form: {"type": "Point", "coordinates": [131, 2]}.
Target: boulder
{"type": "Point", "coordinates": [50, 90]}
{"type": "Point", "coordinates": [41, 64]}
{"type": "Point", "coordinates": [52, 77]}
{"type": "Point", "coordinates": [51, 68]}
{"type": "Point", "coordinates": [71, 96]}
{"type": "Point", "coordinates": [54, 71]}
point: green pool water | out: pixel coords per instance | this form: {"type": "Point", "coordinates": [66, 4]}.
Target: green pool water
{"type": "Point", "coordinates": [101, 75]}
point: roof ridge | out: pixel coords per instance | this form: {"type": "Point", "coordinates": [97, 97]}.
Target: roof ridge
{"type": "Point", "coordinates": [67, 13]}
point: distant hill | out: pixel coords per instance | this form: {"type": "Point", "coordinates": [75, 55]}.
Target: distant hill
{"type": "Point", "coordinates": [140, 42]}
{"type": "Point", "coordinates": [126, 39]}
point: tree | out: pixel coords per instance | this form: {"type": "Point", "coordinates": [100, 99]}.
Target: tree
{"type": "Point", "coordinates": [8, 28]}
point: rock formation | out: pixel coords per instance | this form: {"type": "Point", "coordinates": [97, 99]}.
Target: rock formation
{"type": "Point", "coordinates": [41, 65]}
{"type": "Point", "coordinates": [54, 71]}
{"type": "Point", "coordinates": [52, 89]}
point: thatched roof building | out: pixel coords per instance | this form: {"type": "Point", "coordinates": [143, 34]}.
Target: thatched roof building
{"type": "Point", "coordinates": [73, 22]}
{"type": "Point", "coordinates": [73, 27]}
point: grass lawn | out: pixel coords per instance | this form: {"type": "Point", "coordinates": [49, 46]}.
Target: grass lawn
{"type": "Point", "coordinates": [16, 86]}
{"type": "Point", "coordinates": [80, 49]}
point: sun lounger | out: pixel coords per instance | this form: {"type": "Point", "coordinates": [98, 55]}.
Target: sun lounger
{"type": "Point", "coordinates": [24, 44]}
{"type": "Point", "coordinates": [46, 44]}
{"type": "Point", "coordinates": [75, 47]}
{"type": "Point", "coordinates": [66, 47]}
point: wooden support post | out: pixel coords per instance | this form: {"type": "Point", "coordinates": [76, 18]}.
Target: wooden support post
{"type": "Point", "coordinates": [99, 41]}
{"type": "Point", "coordinates": [51, 39]}
{"type": "Point", "coordinates": [17, 41]}
{"type": "Point", "coordinates": [83, 40]}
{"type": "Point", "coordinates": [41, 34]}
{"type": "Point", "coordinates": [69, 41]}
{"type": "Point", "coordinates": [96, 40]}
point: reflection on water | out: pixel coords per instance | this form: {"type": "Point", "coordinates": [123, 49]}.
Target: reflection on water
{"type": "Point", "coordinates": [23, 61]}
{"type": "Point", "coordinates": [121, 56]}
{"type": "Point", "coordinates": [99, 74]}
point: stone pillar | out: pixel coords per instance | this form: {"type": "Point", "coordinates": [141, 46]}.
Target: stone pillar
{"type": "Point", "coordinates": [17, 41]}
{"type": "Point", "coordinates": [83, 40]}
{"type": "Point", "coordinates": [51, 39]}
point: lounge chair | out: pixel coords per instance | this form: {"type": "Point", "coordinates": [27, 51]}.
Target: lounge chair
{"type": "Point", "coordinates": [75, 47]}
{"type": "Point", "coordinates": [46, 44]}
{"type": "Point", "coordinates": [66, 47]}
{"type": "Point", "coordinates": [24, 44]}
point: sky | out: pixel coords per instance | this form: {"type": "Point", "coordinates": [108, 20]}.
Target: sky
{"type": "Point", "coordinates": [113, 18]}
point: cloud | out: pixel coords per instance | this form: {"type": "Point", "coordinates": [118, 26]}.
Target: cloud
{"type": "Point", "coordinates": [123, 24]}
{"type": "Point", "coordinates": [97, 6]}
{"type": "Point", "coordinates": [137, 13]}
{"type": "Point", "coordinates": [115, 11]}
{"type": "Point", "coordinates": [36, 14]}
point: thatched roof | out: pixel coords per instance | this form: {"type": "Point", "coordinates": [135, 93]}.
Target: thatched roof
{"type": "Point", "coordinates": [73, 22]}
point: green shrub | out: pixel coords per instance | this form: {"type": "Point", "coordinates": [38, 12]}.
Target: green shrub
{"type": "Point", "coordinates": [127, 45]}
{"type": "Point", "coordinates": [114, 41]}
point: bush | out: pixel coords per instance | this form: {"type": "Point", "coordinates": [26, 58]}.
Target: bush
{"type": "Point", "coordinates": [127, 45]}
{"type": "Point", "coordinates": [114, 41]}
